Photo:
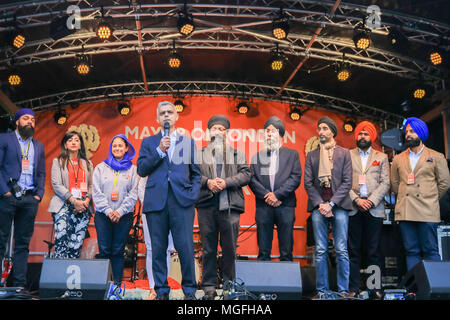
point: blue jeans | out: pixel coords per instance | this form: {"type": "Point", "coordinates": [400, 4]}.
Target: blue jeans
{"type": "Point", "coordinates": [112, 238]}
{"type": "Point", "coordinates": [339, 223]}
{"type": "Point", "coordinates": [419, 238]}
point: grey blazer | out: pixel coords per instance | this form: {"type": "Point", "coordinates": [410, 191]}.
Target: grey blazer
{"type": "Point", "coordinates": [341, 179]}
{"type": "Point", "coordinates": [60, 184]}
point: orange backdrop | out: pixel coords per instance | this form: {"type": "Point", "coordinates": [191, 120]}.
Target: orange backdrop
{"type": "Point", "coordinates": [102, 120]}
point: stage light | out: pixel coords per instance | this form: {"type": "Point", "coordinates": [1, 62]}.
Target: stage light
{"type": "Point", "coordinates": [14, 79]}
{"type": "Point", "coordinates": [185, 23]}
{"type": "Point", "coordinates": [174, 61]}
{"type": "Point", "coordinates": [242, 108]}
{"type": "Point", "coordinates": [276, 61]}
{"type": "Point", "coordinates": [349, 125]}
{"type": "Point", "coordinates": [16, 38]}
{"type": "Point", "coordinates": [295, 113]}
{"type": "Point", "coordinates": [361, 38]}
{"type": "Point", "coordinates": [419, 93]}
{"type": "Point", "coordinates": [60, 117]}
{"type": "Point", "coordinates": [397, 39]}
{"type": "Point", "coordinates": [343, 71]}
{"type": "Point", "coordinates": [104, 30]}
{"type": "Point", "coordinates": [280, 29]}
{"type": "Point", "coordinates": [435, 57]}
{"type": "Point", "coordinates": [124, 108]}
{"type": "Point", "coordinates": [179, 105]}
{"type": "Point", "coordinates": [83, 64]}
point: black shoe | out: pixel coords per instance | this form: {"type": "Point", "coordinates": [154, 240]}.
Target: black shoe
{"type": "Point", "coordinates": [163, 296]}
{"type": "Point", "coordinates": [190, 297]}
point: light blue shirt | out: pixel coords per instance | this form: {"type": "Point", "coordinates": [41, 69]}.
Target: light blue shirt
{"type": "Point", "coordinates": [414, 157]}
{"type": "Point", "coordinates": [26, 181]}
{"type": "Point", "coordinates": [173, 140]}
{"type": "Point", "coordinates": [363, 192]}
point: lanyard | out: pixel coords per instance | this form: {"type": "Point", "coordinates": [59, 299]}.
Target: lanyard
{"type": "Point", "coordinates": [25, 155]}
{"type": "Point", "coordinates": [76, 173]}
{"type": "Point", "coordinates": [115, 178]}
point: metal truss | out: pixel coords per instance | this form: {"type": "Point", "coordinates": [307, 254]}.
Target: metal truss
{"type": "Point", "coordinates": [242, 36]}
{"type": "Point", "coordinates": [233, 90]}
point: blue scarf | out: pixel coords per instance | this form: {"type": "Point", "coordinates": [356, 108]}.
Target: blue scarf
{"type": "Point", "coordinates": [125, 163]}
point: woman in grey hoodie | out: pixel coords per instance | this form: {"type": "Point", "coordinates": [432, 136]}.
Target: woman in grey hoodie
{"type": "Point", "coordinates": [114, 193]}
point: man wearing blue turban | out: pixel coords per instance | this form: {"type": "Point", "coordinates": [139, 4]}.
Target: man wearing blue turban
{"type": "Point", "coordinates": [419, 177]}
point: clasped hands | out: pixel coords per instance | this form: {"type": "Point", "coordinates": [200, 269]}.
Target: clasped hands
{"type": "Point", "coordinates": [216, 185]}
{"type": "Point", "coordinates": [326, 210]}
{"type": "Point", "coordinates": [114, 216]}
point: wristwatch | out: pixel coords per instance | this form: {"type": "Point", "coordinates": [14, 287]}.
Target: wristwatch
{"type": "Point", "coordinates": [332, 204]}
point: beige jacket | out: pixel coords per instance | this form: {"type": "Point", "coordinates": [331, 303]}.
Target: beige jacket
{"type": "Point", "coordinates": [377, 179]}
{"type": "Point", "coordinates": [419, 201]}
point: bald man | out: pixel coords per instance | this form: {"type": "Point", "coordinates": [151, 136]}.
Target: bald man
{"type": "Point", "coordinates": [369, 186]}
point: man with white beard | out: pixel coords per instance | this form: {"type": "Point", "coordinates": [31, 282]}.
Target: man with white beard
{"type": "Point", "coordinates": [276, 174]}
{"type": "Point", "coordinates": [224, 172]}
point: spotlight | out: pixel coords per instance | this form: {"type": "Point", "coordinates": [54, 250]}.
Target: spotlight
{"type": "Point", "coordinates": [185, 23]}
{"type": "Point", "coordinates": [349, 125]}
{"type": "Point", "coordinates": [361, 38]}
{"type": "Point", "coordinates": [83, 64]}
{"type": "Point", "coordinates": [280, 28]}
{"type": "Point", "coordinates": [435, 57]}
{"type": "Point", "coordinates": [124, 108]}
{"type": "Point", "coordinates": [397, 39]}
{"type": "Point", "coordinates": [419, 93]}
{"type": "Point", "coordinates": [295, 113]}
{"type": "Point", "coordinates": [179, 106]}
{"type": "Point", "coordinates": [174, 60]}
{"type": "Point", "coordinates": [60, 117]}
{"type": "Point", "coordinates": [17, 38]}
{"type": "Point", "coordinates": [104, 30]}
{"type": "Point", "coordinates": [14, 79]}
{"type": "Point", "coordinates": [242, 108]}
{"type": "Point", "coordinates": [343, 71]}
{"type": "Point", "coordinates": [276, 61]}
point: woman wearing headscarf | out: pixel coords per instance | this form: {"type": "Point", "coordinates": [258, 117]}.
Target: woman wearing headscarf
{"type": "Point", "coordinates": [115, 195]}
{"type": "Point", "coordinates": [71, 205]}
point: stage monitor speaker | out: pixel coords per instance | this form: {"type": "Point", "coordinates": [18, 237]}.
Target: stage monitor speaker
{"type": "Point", "coordinates": [392, 138]}
{"type": "Point", "coordinates": [75, 279]}
{"type": "Point", "coordinates": [429, 280]}
{"type": "Point", "coordinates": [270, 280]}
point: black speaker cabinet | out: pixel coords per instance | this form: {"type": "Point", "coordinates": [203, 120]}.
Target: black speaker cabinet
{"type": "Point", "coordinates": [430, 280]}
{"type": "Point", "coordinates": [75, 279]}
{"type": "Point", "coordinates": [270, 280]}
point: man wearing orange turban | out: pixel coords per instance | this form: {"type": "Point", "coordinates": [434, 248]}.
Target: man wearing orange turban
{"type": "Point", "coordinates": [370, 184]}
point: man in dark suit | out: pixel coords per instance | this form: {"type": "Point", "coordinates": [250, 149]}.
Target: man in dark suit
{"type": "Point", "coordinates": [22, 180]}
{"type": "Point", "coordinates": [171, 192]}
{"type": "Point", "coordinates": [276, 174]}
{"type": "Point", "coordinates": [328, 180]}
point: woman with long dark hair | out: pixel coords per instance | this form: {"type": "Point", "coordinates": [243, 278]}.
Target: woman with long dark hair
{"type": "Point", "coordinates": [115, 195]}
{"type": "Point", "coordinates": [71, 205]}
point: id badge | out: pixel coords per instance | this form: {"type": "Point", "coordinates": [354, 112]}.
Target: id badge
{"type": "Point", "coordinates": [83, 187]}
{"type": "Point", "coordinates": [114, 195]}
{"type": "Point", "coordinates": [410, 178]}
{"type": "Point", "coordinates": [362, 179]}
{"type": "Point", "coordinates": [76, 193]}
{"type": "Point", "coordinates": [25, 164]}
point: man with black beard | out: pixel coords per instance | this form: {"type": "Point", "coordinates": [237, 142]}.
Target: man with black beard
{"type": "Point", "coordinates": [276, 174]}
{"type": "Point", "coordinates": [419, 177]}
{"type": "Point", "coordinates": [224, 172]}
{"type": "Point", "coordinates": [370, 184]}
{"type": "Point", "coordinates": [22, 179]}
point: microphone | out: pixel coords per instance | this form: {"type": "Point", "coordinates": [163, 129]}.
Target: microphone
{"type": "Point", "coordinates": [166, 128]}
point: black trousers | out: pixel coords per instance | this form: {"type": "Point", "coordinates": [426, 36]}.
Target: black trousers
{"type": "Point", "coordinates": [283, 217]}
{"type": "Point", "coordinates": [218, 226]}
{"type": "Point", "coordinates": [23, 213]}
{"type": "Point", "coordinates": [364, 235]}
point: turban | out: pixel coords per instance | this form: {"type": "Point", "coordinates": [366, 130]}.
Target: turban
{"type": "Point", "coordinates": [219, 119]}
{"type": "Point", "coordinates": [23, 112]}
{"type": "Point", "coordinates": [367, 126]}
{"type": "Point", "coordinates": [277, 123]}
{"type": "Point", "coordinates": [419, 127]}
{"type": "Point", "coordinates": [330, 123]}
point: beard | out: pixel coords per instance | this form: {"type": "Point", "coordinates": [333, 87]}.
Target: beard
{"type": "Point", "coordinates": [26, 131]}
{"type": "Point", "coordinates": [411, 143]}
{"type": "Point", "coordinates": [218, 144]}
{"type": "Point", "coordinates": [363, 144]}
{"type": "Point", "coordinates": [271, 144]}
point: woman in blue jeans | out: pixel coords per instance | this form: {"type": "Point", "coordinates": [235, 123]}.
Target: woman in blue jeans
{"type": "Point", "coordinates": [115, 194]}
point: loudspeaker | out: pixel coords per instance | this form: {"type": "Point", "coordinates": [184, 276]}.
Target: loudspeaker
{"type": "Point", "coordinates": [429, 280]}
{"type": "Point", "coordinates": [75, 278]}
{"type": "Point", "coordinates": [392, 138]}
{"type": "Point", "coordinates": [270, 280]}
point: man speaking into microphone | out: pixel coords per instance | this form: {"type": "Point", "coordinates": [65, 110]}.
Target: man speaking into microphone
{"type": "Point", "coordinates": [172, 189]}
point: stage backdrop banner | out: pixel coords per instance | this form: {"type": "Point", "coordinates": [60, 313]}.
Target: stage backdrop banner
{"type": "Point", "coordinates": [99, 122]}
